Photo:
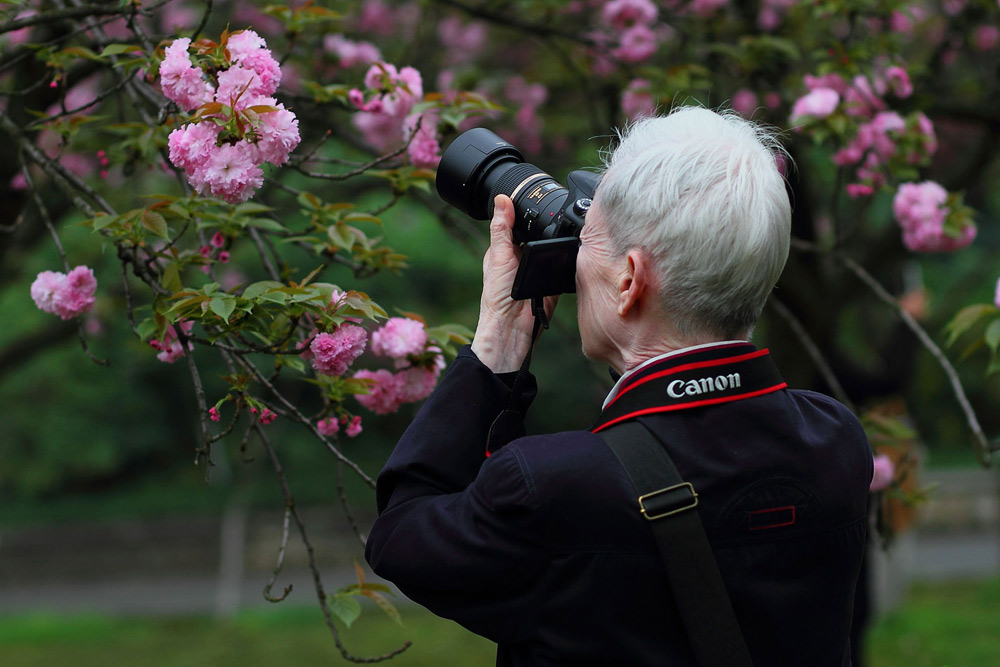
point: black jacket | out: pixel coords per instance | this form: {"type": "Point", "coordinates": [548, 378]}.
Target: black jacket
{"type": "Point", "coordinates": [540, 547]}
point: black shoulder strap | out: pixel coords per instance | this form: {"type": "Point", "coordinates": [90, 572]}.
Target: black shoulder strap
{"type": "Point", "coordinates": [664, 498]}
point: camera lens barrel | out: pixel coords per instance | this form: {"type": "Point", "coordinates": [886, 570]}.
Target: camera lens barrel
{"type": "Point", "coordinates": [479, 165]}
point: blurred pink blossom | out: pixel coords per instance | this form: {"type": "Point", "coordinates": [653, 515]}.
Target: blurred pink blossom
{"type": "Point", "coordinates": [424, 150]}
{"type": "Point", "coordinates": [745, 102]}
{"type": "Point", "coordinates": [65, 295]}
{"type": "Point", "coordinates": [996, 297]}
{"type": "Point", "coordinates": [621, 14]}
{"type": "Point", "coordinates": [637, 99]}
{"type": "Point", "coordinates": [638, 44]}
{"type": "Point", "coordinates": [399, 337]}
{"type": "Point", "coordinates": [328, 427]}
{"type": "Point", "coordinates": [384, 395]}
{"type": "Point", "coordinates": [921, 211]}
{"type": "Point", "coordinates": [817, 103]}
{"type": "Point", "coordinates": [334, 352]}
{"type": "Point", "coordinates": [904, 20]}
{"type": "Point", "coordinates": [860, 99]}
{"type": "Point", "coordinates": [354, 427]}
{"type": "Point", "coordinates": [986, 37]}
{"type": "Point", "coordinates": [351, 53]}
{"type": "Point", "coordinates": [169, 347]}
{"type": "Point", "coordinates": [463, 40]}
{"type": "Point", "coordinates": [882, 472]}
{"type": "Point", "coordinates": [899, 81]}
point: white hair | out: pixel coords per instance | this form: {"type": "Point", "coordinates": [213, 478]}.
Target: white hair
{"type": "Point", "coordinates": [701, 193]}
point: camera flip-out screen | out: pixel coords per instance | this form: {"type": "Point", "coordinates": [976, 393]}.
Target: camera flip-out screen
{"type": "Point", "coordinates": [547, 267]}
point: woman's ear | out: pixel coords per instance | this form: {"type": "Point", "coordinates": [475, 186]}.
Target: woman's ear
{"type": "Point", "coordinates": [632, 283]}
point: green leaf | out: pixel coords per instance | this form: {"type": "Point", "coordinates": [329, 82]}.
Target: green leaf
{"type": "Point", "coordinates": [172, 278]}
{"type": "Point", "coordinates": [223, 306]}
{"type": "Point", "coordinates": [346, 608]}
{"type": "Point", "coordinates": [118, 49]}
{"type": "Point", "coordinates": [155, 223]}
{"type": "Point", "coordinates": [257, 289]}
{"type": "Point", "coordinates": [965, 319]}
{"type": "Point", "coordinates": [386, 606]}
{"type": "Point", "coordinates": [264, 223]}
{"type": "Point", "coordinates": [992, 335]}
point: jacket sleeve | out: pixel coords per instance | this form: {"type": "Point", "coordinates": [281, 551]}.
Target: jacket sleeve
{"type": "Point", "coordinates": [457, 531]}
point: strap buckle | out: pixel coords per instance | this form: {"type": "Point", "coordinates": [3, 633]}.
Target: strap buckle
{"type": "Point", "coordinates": [667, 501]}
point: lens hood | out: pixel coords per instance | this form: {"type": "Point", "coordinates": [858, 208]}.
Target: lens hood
{"type": "Point", "coordinates": [465, 163]}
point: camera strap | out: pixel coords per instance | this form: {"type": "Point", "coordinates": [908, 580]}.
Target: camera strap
{"type": "Point", "coordinates": [692, 572]}
{"type": "Point", "coordinates": [509, 424]}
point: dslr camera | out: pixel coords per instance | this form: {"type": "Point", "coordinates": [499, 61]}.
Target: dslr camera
{"type": "Point", "coordinates": [479, 165]}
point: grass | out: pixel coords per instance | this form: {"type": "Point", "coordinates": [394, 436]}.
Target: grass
{"type": "Point", "coordinates": [941, 625]}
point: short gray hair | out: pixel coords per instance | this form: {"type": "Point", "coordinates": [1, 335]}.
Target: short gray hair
{"type": "Point", "coordinates": [701, 192]}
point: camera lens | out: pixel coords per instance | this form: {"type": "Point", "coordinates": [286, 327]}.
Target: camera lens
{"type": "Point", "coordinates": [479, 165]}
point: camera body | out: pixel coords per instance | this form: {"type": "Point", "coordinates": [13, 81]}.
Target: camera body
{"type": "Point", "coordinates": [548, 217]}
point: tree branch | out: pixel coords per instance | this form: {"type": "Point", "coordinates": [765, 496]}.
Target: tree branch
{"type": "Point", "coordinates": [983, 448]}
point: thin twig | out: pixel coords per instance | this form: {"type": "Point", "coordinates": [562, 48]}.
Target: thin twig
{"type": "Point", "coordinates": [812, 350]}
{"type": "Point", "coordinates": [281, 554]}
{"type": "Point", "coordinates": [317, 579]}
{"type": "Point", "coordinates": [983, 448]}
{"type": "Point", "coordinates": [342, 494]}
{"type": "Point", "coordinates": [301, 418]}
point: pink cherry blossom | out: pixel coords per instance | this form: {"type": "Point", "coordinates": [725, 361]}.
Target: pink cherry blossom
{"type": "Point", "coordinates": [620, 14]}
{"type": "Point", "coordinates": [832, 81]}
{"type": "Point", "coordinates": [213, 414]}
{"type": "Point", "coordinates": [334, 352]}
{"type": "Point", "coordinates": [855, 190]}
{"type": "Point", "coordinates": [231, 173]}
{"type": "Point", "coordinates": [899, 81]}
{"type": "Point", "coordinates": [417, 382]}
{"type": "Point", "coordinates": [638, 44]}
{"type": "Point", "coordinates": [169, 347]}
{"type": "Point", "coordinates": [637, 99]}
{"type": "Point", "coordinates": [267, 415]}
{"type": "Point", "coordinates": [328, 427]}
{"type": "Point", "coordinates": [996, 297]}
{"type": "Point", "coordinates": [745, 102]}
{"type": "Point", "coordinates": [180, 80]}
{"type": "Point", "coordinates": [817, 103]}
{"type": "Point", "coordinates": [385, 395]}
{"type": "Point", "coordinates": [350, 53]}
{"type": "Point", "coordinates": [861, 100]}
{"type": "Point", "coordinates": [399, 337]}
{"type": "Point", "coordinates": [218, 240]}
{"type": "Point", "coordinates": [986, 37]}
{"type": "Point", "coordinates": [464, 40]}
{"type": "Point", "coordinates": [65, 295]}
{"type": "Point", "coordinates": [921, 212]}
{"type": "Point", "coordinates": [424, 149]}
{"type": "Point", "coordinates": [354, 428]}
{"type": "Point", "coordinates": [882, 472]}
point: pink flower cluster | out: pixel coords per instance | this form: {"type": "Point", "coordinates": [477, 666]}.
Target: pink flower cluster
{"type": "Point", "coordinates": [996, 297]}
{"type": "Point", "coordinates": [628, 25]}
{"type": "Point", "coordinates": [169, 348]}
{"type": "Point", "coordinates": [331, 426]}
{"type": "Point", "coordinates": [882, 137]}
{"type": "Point", "coordinates": [65, 295]}
{"type": "Point", "coordinates": [403, 340]}
{"type": "Point", "coordinates": [224, 158]}
{"type": "Point", "coordinates": [921, 211]}
{"type": "Point", "coordinates": [527, 125]}
{"type": "Point", "coordinates": [383, 113]}
{"type": "Point", "coordinates": [333, 353]}
{"type": "Point", "coordinates": [350, 53]}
